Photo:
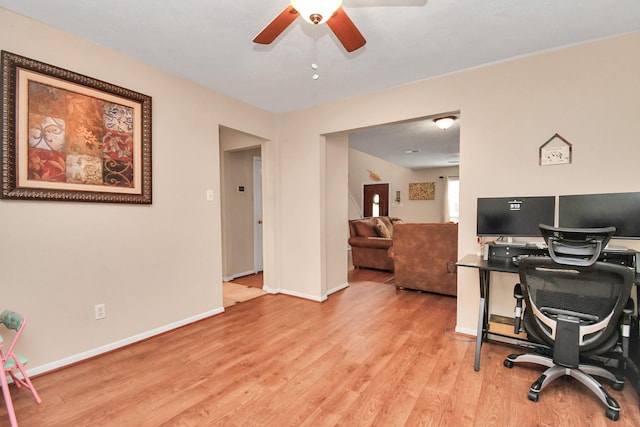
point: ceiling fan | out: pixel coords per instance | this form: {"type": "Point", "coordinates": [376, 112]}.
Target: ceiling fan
{"type": "Point", "coordinates": [315, 12]}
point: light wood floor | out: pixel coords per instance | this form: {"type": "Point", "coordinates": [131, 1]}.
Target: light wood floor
{"type": "Point", "coordinates": [233, 293]}
{"type": "Point", "coordinates": [368, 356]}
{"type": "Point", "coordinates": [251, 280]}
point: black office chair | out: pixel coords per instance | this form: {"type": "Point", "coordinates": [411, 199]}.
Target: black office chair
{"type": "Point", "coordinates": [574, 305]}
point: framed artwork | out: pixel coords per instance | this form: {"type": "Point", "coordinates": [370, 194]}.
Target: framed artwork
{"type": "Point", "coordinates": [422, 191]}
{"type": "Point", "coordinates": [69, 137]}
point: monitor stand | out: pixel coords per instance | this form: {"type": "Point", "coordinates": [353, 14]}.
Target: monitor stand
{"type": "Point", "coordinates": [509, 242]}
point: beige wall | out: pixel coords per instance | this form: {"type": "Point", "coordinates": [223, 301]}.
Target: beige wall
{"type": "Point", "coordinates": [398, 178]}
{"type": "Point", "coordinates": [155, 267]}
{"type": "Point", "coordinates": [161, 265]}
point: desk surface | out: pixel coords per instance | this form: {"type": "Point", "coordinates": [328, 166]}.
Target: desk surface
{"type": "Point", "coordinates": [503, 265]}
{"type": "Point", "coordinates": [475, 261]}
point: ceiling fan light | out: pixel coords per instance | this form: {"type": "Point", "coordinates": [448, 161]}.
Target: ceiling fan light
{"type": "Point", "coordinates": [444, 123]}
{"type": "Point", "coordinates": [316, 11]}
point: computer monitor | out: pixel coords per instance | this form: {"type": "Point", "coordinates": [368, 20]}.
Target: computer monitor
{"type": "Point", "coordinates": [620, 210]}
{"type": "Point", "coordinates": [514, 216]}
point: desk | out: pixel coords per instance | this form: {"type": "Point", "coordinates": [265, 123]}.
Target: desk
{"type": "Point", "coordinates": [485, 267]}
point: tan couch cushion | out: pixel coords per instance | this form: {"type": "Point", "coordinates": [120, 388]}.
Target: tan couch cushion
{"type": "Point", "coordinates": [365, 228]}
{"type": "Point", "coordinates": [381, 229]}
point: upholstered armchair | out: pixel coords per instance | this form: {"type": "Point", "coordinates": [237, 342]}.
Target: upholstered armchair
{"type": "Point", "coordinates": [424, 256]}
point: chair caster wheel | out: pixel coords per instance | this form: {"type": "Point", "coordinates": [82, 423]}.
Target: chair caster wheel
{"type": "Point", "coordinates": [533, 396]}
{"type": "Point", "coordinates": [612, 415]}
{"type": "Point", "coordinates": [508, 363]}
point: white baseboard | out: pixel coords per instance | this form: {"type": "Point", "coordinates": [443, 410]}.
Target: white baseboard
{"type": "Point", "coordinates": [294, 294]}
{"type": "Point", "coordinates": [305, 296]}
{"type": "Point", "coordinates": [121, 343]}
{"type": "Point", "coordinates": [242, 274]}
{"type": "Point", "coordinates": [338, 288]}
{"type": "Point", "coordinates": [467, 331]}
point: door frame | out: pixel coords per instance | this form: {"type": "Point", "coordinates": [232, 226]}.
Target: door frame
{"type": "Point", "coordinates": [388, 184]}
{"type": "Point", "coordinates": [258, 251]}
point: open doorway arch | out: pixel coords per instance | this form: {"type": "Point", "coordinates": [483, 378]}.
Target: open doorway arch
{"type": "Point", "coordinates": [377, 164]}
{"type": "Point", "coordinates": [412, 151]}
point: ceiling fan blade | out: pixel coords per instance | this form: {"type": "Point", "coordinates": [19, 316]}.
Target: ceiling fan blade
{"type": "Point", "coordinates": [346, 31]}
{"type": "Point", "coordinates": [277, 26]}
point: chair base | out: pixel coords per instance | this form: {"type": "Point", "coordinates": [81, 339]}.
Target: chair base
{"type": "Point", "coordinates": [583, 373]}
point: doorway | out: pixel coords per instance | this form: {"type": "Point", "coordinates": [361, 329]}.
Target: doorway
{"type": "Point", "coordinates": [375, 200]}
{"type": "Point", "coordinates": [241, 204]}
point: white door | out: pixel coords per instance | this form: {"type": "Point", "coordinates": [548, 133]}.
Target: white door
{"type": "Point", "coordinates": [257, 214]}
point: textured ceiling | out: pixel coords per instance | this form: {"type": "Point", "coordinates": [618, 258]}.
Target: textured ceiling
{"type": "Point", "coordinates": [415, 144]}
{"type": "Point", "coordinates": [210, 41]}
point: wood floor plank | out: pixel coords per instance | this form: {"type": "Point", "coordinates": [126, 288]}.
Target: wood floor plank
{"type": "Point", "coordinates": [252, 280]}
{"type": "Point", "coordinates": [368, 356]}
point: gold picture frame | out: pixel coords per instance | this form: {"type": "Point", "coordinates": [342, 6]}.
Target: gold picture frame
{"type": "Point", "coordinates": [69, 137]}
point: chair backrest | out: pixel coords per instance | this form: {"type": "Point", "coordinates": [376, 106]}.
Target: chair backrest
{"type": "Point", "coordinates": [578, 306]}
{"type": "Point", "coordinates": [14, 321]}
{"type": "Point", "coordinates": [576, 246]}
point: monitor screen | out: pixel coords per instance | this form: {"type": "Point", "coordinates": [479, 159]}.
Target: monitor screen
{"type": "Point", "coordinates": [621, 210]}
{"type": "Point", "coordinates": [514, 216]}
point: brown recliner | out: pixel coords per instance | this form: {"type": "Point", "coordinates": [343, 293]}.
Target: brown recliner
{"type": "Point", "coordinates": [424, 257]}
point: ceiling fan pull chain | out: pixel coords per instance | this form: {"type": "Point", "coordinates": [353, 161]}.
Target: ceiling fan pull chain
{"type": "Point", "coordinates": [314, 63]}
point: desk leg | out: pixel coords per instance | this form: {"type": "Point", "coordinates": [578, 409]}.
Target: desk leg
{"type": "Point", "coordinates": [483, 321]}
{"type": "Point", "coordinates": [479, 335]}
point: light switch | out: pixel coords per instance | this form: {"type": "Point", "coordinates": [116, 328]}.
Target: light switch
{"type": "Point", "coordinates": [209, 195]}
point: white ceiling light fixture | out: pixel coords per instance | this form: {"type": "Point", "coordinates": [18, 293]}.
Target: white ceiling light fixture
{"type": "Point", "coordinates": [316, 11]}
{"type": "Point", "coordinates": [444, 123]}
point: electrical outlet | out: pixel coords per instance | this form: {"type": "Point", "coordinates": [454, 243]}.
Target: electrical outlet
{"type": "Point", "coordinates": [100, 311]}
